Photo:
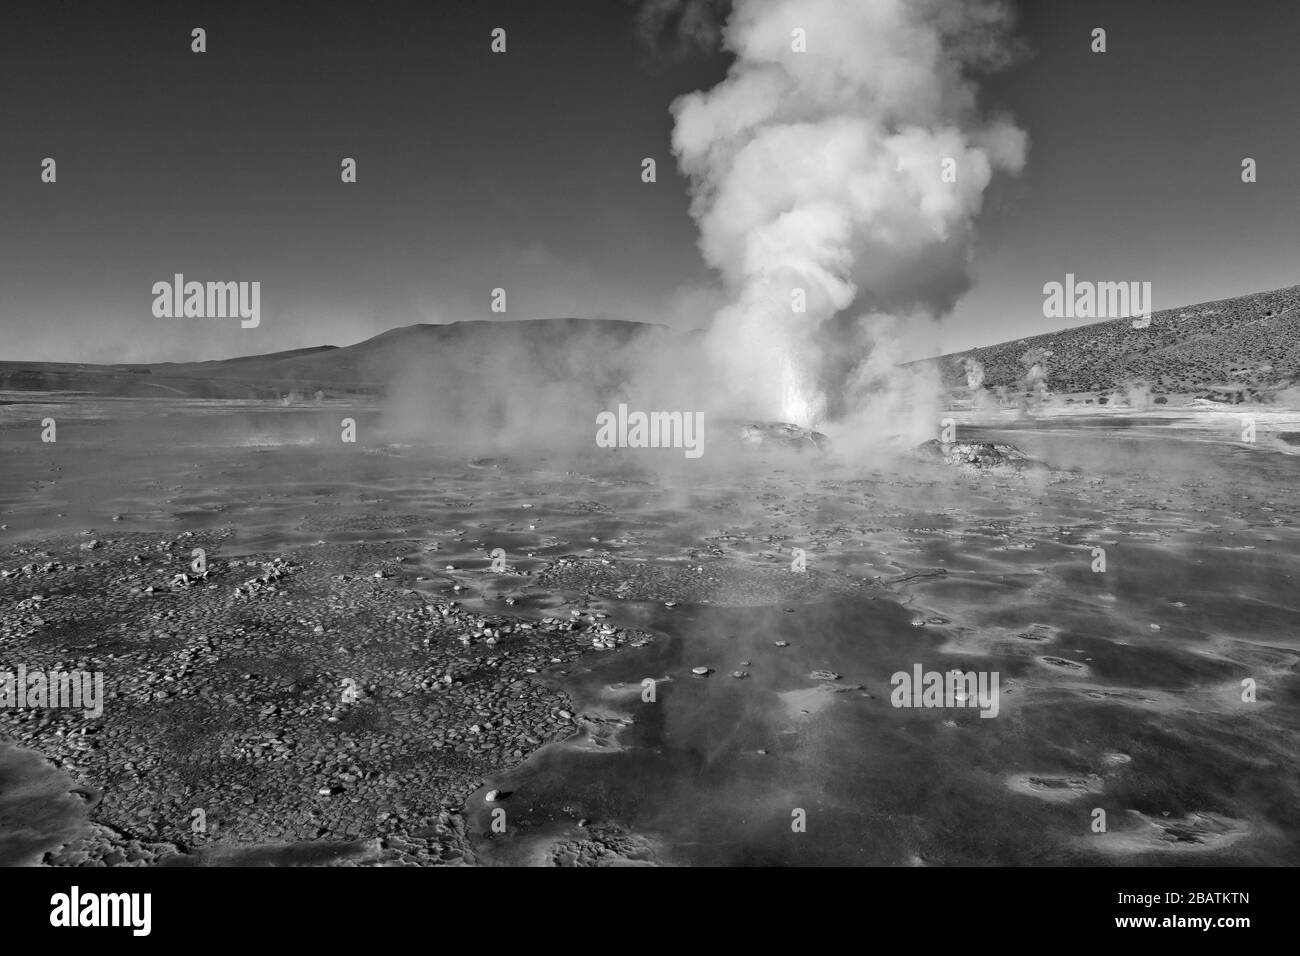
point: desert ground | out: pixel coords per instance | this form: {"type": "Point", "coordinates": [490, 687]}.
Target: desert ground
{"type": "Point", "coordinates": [355, 673]}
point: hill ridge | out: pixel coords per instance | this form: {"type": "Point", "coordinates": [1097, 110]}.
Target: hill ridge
{"type": "Point", "coordinates": [1241, 344]}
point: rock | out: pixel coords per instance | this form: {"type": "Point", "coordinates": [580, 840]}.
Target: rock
{"type": "Point", "coordinates": [782, 643]}
{"type": "Point", "coordinates": [979, 455]}
{"type": "Point", "coordinates": [700, 671]}
{"type": "Point", "coordinates": [739, 675]}
{"type": "Point", "coordinates": [780, 434]}
{"type": "Point", "coordinates": [493, 796]}
{"type": "Point", "coordinates": [824, 675]}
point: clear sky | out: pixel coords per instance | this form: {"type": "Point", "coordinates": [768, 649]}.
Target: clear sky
{"type": "Point", "coordinates": [522, 170]}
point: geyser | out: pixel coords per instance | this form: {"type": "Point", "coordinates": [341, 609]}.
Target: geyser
{"type": "Point", "coordinates": [842, 160]}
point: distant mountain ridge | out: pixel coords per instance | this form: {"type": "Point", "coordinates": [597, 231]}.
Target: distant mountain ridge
{"type": "Point", "coordinates": [366, 368]}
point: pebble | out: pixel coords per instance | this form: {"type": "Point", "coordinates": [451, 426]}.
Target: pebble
{"type": "Point", "coordinates": [493, 796]}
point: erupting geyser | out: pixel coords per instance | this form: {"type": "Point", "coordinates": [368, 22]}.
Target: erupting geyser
{"type": "Point", "coordinates": [842, 160]}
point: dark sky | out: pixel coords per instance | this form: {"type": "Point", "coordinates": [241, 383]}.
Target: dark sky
{"type": "Point", "coordinates": [522, 170]}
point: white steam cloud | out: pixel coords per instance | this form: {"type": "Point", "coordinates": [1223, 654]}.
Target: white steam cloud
{"type": "Point", "coordinates": [824, 170]}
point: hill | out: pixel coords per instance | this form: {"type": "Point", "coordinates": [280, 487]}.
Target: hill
{"type": "Point", "coordinates": [1227, 349]}
{"type": "Point", "coordinates": [461, 352]}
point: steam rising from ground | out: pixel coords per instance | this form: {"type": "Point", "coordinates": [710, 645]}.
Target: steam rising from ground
{"type": "Point", "coordinates": [503, 386]}
{"type": "Point", "coordinates": [823, 170]}
{"type": "Point", "coordinates": [1034, 382]}
{"type": "Point", "coordinates": [836, 175]}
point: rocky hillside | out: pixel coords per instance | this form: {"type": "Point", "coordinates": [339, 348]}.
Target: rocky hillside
{"type": "Point", "coordinates": [1229, 349]}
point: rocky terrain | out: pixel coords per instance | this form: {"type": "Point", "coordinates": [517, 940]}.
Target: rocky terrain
{"type": "Point", "coordinates": [346, 679]}
{"type": "Point", "coordinates": [288, 699]}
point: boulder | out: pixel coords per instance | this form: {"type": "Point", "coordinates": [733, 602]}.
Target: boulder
{"type": "Point", "coordinates": [980, 455]}
{"type": "Point", "coordinates": [781, 434]}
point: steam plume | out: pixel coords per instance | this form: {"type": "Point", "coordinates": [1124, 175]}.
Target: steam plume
{"type": "Point", "coordinates": [1034, 382]}
{"type": "Point", "coordinates": [824, 170]}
